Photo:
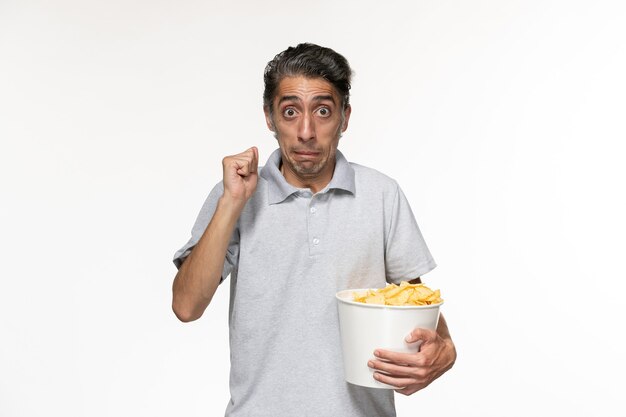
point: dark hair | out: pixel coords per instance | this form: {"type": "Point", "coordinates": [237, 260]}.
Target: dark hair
{"type": "Point", "coordinates": [311, 61]}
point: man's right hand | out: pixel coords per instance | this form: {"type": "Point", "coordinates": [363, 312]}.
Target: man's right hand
{"type": "Point", "coordinates": [240, 175]}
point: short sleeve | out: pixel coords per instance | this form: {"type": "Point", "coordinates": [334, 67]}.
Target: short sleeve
{"type": "Point", "coordinates": [202, 221]}
{"type": "Point", "coordinates": [406, 254]}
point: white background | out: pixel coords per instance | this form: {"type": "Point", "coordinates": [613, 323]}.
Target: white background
{"type": "Point", "coordinates": [503, 121]}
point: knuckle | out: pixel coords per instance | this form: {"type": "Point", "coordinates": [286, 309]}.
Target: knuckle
{"type": "Point", "coordinates": [419, 362]}
{"type": "Point", "coordinates": [416, 374]}
{"type": "Point", "coordinates": [421, 375]}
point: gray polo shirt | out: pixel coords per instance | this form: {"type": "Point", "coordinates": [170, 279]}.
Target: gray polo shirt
{"type": "Point", "coordinates": [290, 253]}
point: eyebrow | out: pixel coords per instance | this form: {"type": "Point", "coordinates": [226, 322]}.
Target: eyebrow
{"type": "Point", "coordinates": [316, 98]}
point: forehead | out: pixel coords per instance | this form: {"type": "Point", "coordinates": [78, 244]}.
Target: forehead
{"type": "Point", "coordinates": [305, 88]}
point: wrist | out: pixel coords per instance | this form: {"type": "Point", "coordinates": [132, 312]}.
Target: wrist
{"type": "Point", "coordinates": [231, 204]}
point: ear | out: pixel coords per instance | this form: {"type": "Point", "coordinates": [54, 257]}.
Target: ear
{"type": "Point", "coordinates": [346, 118]}
{"type": "Point", "coordinates": [268, 118]}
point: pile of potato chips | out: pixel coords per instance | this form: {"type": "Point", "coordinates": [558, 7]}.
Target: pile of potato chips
{"type": "Point", "coordinates": [404, 294]}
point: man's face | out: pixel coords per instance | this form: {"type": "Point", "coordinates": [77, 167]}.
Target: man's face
{"type": "Point", "coordinates": [307, 121]}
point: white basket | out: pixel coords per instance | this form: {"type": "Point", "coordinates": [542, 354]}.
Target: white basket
{"type": "Point", "coordinates": [366, 327]}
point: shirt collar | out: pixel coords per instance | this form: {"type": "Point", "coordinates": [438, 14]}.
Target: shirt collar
{"type": "Point", "coordinates": [279, 189]}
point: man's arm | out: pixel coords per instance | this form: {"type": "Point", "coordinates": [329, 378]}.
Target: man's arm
{"type": "Point", "coordinates": [200, 274]}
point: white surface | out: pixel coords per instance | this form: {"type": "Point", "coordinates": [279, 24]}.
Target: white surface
{"type": "Point", "coordinates": [503, 121]}
{"type": "Point", "coordinates": [366, 327]}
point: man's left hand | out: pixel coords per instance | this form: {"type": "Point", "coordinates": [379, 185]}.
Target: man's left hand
{"type": "Point", "coordinates": [410, 372]}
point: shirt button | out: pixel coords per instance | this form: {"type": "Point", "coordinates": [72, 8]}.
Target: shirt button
{"type": "Point", "coordinates": [313, 210]}
{"type": "Point", "coordinates": [316, 241]}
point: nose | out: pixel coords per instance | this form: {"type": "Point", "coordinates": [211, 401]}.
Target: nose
{"type": "Point", "coordinates": [306, 128]}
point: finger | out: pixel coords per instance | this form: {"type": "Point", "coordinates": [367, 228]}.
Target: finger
{"type": "Point", "coordinates": [426, 335]}
{"type": "Point", "coordinates": [410, 389]}
{"type": "Point", "coordinates": [398, 383]}
{"type": "Point", "coordinates": [244, 166]}
{"type": "Point", "coordinates": [402, 359]}
{"type": "Point", "coordinates": [248, 161]}
{"type": "Point", "coordinates": [247, 154]}
{"type": "Point", "coordinates": [390, 368]}
{"type": "Point", "coordinates": [238, 163]}
{"type": "Point", "coordinates": [255, 159]}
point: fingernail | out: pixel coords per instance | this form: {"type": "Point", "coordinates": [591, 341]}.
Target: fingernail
{"type": "Point", "coordinates": [370, 364]}
{"type": "Point", "coordinates": [377, 353]}
{"type": "Point", "coordinates": [409, 339]}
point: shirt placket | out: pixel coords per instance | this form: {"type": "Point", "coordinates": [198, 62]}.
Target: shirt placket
{"type": "Point", "coordinates": [315, 223]}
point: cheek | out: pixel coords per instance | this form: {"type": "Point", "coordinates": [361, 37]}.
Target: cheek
{"type": "Point", "coordinates": [328, 129]}
{"type": "Point", "coordinates": [281, 133]}
{"type": "Point", "coordinates": [286, 129]}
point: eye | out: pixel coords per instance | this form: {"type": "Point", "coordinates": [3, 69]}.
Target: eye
{"type": "Point", "coordinates": [289, 112]}
{"type": "Point", "coordinates": [324, 111]}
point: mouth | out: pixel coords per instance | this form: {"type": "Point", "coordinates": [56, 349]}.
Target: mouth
{"type": "Point", "coordinates": [306, 154]}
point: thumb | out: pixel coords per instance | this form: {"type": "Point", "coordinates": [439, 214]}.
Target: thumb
{"type": "Point", "coordinates": [255, 159]}
{"type": "Point", "coordinates": [419, 334]}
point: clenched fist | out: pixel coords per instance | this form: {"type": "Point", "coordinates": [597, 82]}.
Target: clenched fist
{"type": "Point", "coordinates": [240, 175]}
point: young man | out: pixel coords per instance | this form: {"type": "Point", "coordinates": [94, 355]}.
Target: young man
{"type": "Point", "coordinates": [291, 235]}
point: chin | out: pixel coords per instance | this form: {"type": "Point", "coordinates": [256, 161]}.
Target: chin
{"type": "Point", "coordinates": [308, 172]}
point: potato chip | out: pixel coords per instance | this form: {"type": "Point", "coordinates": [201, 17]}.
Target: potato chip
{"type": "Point", "coordinates": [405, 294]}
